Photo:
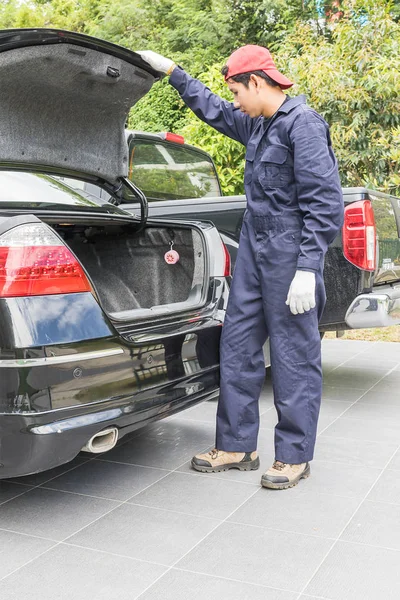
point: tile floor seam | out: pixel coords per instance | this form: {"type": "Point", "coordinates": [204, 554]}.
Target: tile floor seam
{"type": "Point", "coordinates": [330, 494]}
{"type": "Point", "coordinates": [377, 405]}
{"type": "Point", "coordinates": [336, 462]}
{"type": "Point", "coordinates": [312, 535]}
{"type": "Point", "coordinates": [72, 534]}
{"type": "Point", "coordinates": [344, 388]}
{"type": "Point", "coordinates": [14, 497]}
{"type": "Point", "coordinates": [147, 487]}
{"type": "Point", "coordinates": [346, 360]}
{"type": "Point", "coordinates": [194, 546]}
{"type": "Point", "coordinates": [118, 462]}
{"type": "Point", "coordinates": [352, 357]}
{"type": "Point", "coordinates": [57, 544]}
{"type": "Point", "coordinates": [369, 545]}
{"type": "Point", "coordinates": [390, 419]}
{"type": "Point", "coordinates": [353, 403]}
{"type": "Point", "coordinates": [394, 470]}
{"type": "Point", "coordinates": [328, 342]}
{"type": "Point", "coordinates": [382, 501]}
{"type": "Point", "coordinates": [50, 489]}
{"type": "Point", "coordinates": [309, 596]}
{"type": "Point", "coordinates": [268, 587]}
{"type": "Point", "coordinates": [148, 562]}
{"type": "Point", "coordinates": [119, 504]}
{"type": "Point", "coordinates": [388, 370]}
{"type": "Point", "coordinates": [34, 487]}
{"type": "Point", "coordinates": [15, 482]}
{"type": "Point", "coordinates": [362, 368]}
{"type": "Point", "coordinates": [39, 537]}
{"type": "Point", "coordinates": [213, 476]}
{"type": "Point", "coordinates": [169, 473]}
{"type": "Point", "coordinates": [335, 400]}
{"type": "Point", "coordinates": [345, 526]}
{"type": "Point", "coordinates": [175, 512]}
{"type": "Point", "coordinates": [29, 561]}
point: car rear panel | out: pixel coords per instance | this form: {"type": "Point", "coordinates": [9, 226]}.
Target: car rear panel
{"type": "Point", "coordinates": [68, 370]}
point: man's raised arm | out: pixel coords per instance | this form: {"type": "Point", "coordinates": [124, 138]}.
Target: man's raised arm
{"type": "Point", "coordinates": [209, 107]}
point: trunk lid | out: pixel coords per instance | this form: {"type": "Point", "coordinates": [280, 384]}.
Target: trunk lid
{"type": "Point", "coordinates": [64, 102]}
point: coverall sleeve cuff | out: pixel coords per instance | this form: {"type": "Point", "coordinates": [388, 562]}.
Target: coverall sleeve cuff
{"type": "Point", "coordinates": [178, 78]}
{"type": "Point", "coordinates": [307, 264]}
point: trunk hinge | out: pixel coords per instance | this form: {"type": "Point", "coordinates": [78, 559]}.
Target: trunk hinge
{"type": "Point", "coordinates": [117, 193]}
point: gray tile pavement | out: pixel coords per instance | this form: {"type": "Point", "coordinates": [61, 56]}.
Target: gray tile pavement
{"type": "Point", "coordinates": [138, 523]}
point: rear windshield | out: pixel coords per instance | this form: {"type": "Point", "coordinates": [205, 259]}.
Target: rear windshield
{"type": "Point", "coordinates": [166, 171]}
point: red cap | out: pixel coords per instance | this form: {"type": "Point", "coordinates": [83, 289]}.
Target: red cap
{"type": "Point", "coordinates": [255, 58]}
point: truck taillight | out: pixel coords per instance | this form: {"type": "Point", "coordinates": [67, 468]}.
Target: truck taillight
{"type": "Point", "coordinates": [359, 235]}
{"type": "Point", "coordinates": [172, 137]}
{"type": "Point", "coordinates": [35, 262]}
{"type": "Point", "coordinates": [227, 268]}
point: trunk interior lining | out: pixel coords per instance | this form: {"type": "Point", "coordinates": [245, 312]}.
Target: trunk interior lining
{"type": "Point", "coordinates": [129, 270]}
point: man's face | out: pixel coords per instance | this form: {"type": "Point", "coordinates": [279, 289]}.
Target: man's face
{"type": "Point", "coordinates": [247, 99]}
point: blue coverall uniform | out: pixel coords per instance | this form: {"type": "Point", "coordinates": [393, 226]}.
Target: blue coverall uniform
{"type": "Point", "coordinates": [294, 211]}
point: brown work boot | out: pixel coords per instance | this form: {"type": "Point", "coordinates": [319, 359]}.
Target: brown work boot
{"type": "Point", "coordinates": [282, 476]}
{"type": "Point", "coordinates": [218, 460]}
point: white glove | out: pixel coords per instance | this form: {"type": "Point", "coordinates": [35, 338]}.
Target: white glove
{"type": "Point", "coordinates": [157, 61]}
{"type": "Point", "coordinates": [301, 295]}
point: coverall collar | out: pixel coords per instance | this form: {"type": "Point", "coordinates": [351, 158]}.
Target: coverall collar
{"type": "Point", "coordinates": [290, 103]}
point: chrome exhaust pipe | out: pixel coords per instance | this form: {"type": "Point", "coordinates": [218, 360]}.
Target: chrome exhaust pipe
{"type": "Point", "coordinates": [102, 442]}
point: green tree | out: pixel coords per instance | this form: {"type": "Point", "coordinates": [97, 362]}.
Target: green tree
{"type": "Point", "coordinates": [268, 22]}
{"type": "Point", "coordinates": [353, 82]}
{"type": "Point", "coordinates": [16, 14]}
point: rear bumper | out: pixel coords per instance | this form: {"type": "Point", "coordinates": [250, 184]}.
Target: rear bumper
{"type": "Point", "coordinates": [30, 443]}
{"type": "Point", "coordinates": [375, 310]}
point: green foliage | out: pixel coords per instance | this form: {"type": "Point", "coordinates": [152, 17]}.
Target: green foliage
{"type": "Point", "coordinates": [16, 14]}
{"type": "Point", "coordinates": [227, 154]}
{"type": "Point", "coordinates": [160, 110]}
{"type": "Point", "coordinates": [158, 183]}
{"type": "Point", "coordinates": [268, 22]}
{"type": "Point", "coordinates": [353, 82]}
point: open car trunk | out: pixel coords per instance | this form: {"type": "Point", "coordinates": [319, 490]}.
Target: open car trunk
{"type": "Point", "coordinates": [129, 270]}
{"type": "Point", "coordinates": [84, 87]}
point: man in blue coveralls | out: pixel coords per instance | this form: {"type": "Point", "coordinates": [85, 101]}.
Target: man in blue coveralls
{"type": "Point", "coordinates": [294, 211]}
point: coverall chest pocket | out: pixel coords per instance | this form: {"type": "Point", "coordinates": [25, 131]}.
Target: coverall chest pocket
{"type": "Point", "coordinates": [275, 169]}
{"type": "Point", "coordinates": [248, 169]}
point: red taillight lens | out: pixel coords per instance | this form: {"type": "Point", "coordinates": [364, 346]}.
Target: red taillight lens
{"type": "Point", "coordinates": [173, 137]}
{"type": "Point", "coordinates": [34, 262]}
{"type": "Point", "coordinates": [359, 235]}
{"type": "Point", "coordinates": [227, 268]}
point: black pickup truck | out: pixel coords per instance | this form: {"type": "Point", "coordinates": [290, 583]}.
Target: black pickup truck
{"type": "Point", "coordinates": [362, 265]}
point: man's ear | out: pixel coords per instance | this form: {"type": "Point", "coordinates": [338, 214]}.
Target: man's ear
{"type": "Point", "coordinates": [255, 81]}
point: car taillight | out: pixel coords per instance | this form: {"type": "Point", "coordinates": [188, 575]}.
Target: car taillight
{"type": "Point", "coordinates": [172, 137]}
{"type": "Point", "coordinates": [227, 268]}
{"type": "Point", "coordinates": [35, 262]}
{"type": "Point", "coordinates": [359, 235]}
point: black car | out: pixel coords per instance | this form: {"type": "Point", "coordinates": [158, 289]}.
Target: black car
{"type": "Point", "coordinates": [107, 320]}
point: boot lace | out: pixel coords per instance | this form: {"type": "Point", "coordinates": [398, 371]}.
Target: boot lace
{"type": "Point", "coordinates": [213, 454]}
{"type": "Point", "coordinates": [278, 465]}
